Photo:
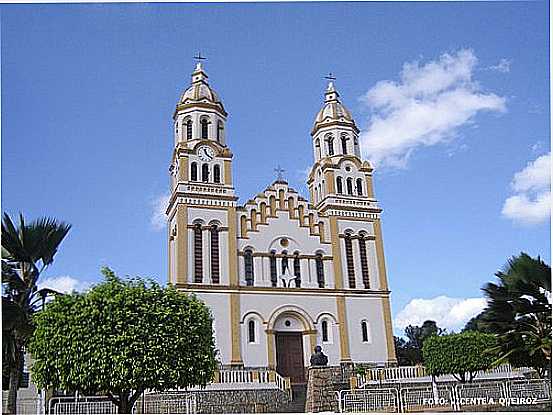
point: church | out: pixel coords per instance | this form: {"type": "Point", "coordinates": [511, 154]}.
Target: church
{"type": "Point", "coordinates": [281, 274]}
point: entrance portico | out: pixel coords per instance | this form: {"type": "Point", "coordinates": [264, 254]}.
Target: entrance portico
{"type": "Point", "coordinates": [291, 336]}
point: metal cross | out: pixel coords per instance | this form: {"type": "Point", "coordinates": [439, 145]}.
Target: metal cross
{"type": "Point", "coordinates": [279, 171]}
{"type": "Point", "coordinates": [199, 58]}
{"type": "Point", "coordinates": [330, 77]}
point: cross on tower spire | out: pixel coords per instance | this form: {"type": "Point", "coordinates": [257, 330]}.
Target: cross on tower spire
{"type": "Point", "coordinates": [330, 77]}
{"type": "Point", "coordinates": [199, 57]}
{"type": "Point", "coordinates": [279, 171]}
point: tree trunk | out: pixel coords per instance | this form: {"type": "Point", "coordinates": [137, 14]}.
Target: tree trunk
{"type": "Point", "coordinates": [124, 403]}
{"type": "Point", "coordinates": [15, 376]}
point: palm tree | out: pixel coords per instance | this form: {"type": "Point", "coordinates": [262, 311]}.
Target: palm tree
{"type": "Point", "coordinates": [26, 252]}
{"type": "Point", "coordinates": [519, 312]}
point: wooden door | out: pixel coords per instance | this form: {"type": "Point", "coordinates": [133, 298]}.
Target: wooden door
{"type": "Point", "coordinates": [289, 353]}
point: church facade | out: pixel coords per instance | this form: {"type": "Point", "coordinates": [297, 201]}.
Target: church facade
{"type": "Point", "coordinates": [281, 274]}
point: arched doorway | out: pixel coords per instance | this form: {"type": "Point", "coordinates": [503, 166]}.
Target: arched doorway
{"type": "Point", "coordinates": [289, 330]}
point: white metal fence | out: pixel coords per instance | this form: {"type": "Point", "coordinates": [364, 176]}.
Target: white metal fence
{"type": "Point", "coordinates": [81, 405]}
{"type": "Point", "coordinates": [149, 403]}
{"type": "Point", "coordinates": [369, 400]}
{"type": "Point", "coordinates": [417, 399]}
{"type": "Point", "coordinates": [447, 397]}
{"type": "Point", "coordinates": [166, 403]}
{"type": "Point", "coordinates": [412, 372]}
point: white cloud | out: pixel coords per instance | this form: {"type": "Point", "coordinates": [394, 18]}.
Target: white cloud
{"type": "Point", "coordinates": [531, 202]}
{"type": "Point", "coordinates": [158, 219]}
{"type": "Point", "coordinates": [447, 312]}
{"type": "Point", "coordinates": [426, 107]}
{"type": "Point", "coordinates": [503, 66]}
{"type": "Point", "coordinates": [64, 284]}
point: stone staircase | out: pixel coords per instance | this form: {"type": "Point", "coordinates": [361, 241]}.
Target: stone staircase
{"type": "Point", "coordinates": [297, 405]}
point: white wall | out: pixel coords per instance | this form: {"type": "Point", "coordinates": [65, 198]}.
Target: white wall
{"type": "Point", "coordinates": [220, 307]}
{"type": "Point", "coordinates": [369, 309]}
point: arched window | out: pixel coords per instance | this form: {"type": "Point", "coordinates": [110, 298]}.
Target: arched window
{"type": "Point", "coordinates": [349, 261]}
{"type": "Point", "coordinates": [297, 269]}
{"type": "Point", "coordinates": [205, 172]}
{"type": "Point", "coordinates": [364, 332]}
{"type": "Point", "coordinates": [344, 140]}
{"type": "Point", "coordinates": [349, 186]}
{"type": "Point", "coordinates": [214, 231]}
{"type": "Point", "coordinates": [205, 124]}
{"type": "Point", "coordinates": [284, 262]}
{"type": "Point", "coordinates": [217, 174]}
{"type": "Point", "coordinates": [359, 187]}
{"type": "Point", "coordinates": [194, 171]}
{"type": "Point", "coordinates": [189, 130]}
{"type": "Point", "coordinates": [318, 148]}
{"type": "Point", "coordinates": [248, 266]}
{"type": "Point", "coordinates": [364, 262]}
{"type": "Point", "coordinates": [273, 266]}
{"type": "Point", "coordinates": [320, 270]}
{"type": "Point", "coordinates": [198, 260]}
{"type": "Point", "coordinates": [330, 142]}
{"type": "Point", "coordinates": [339, 185]}
{"type": "Point", "coordinates": [251, 331]}
{"type": "Point", "coordinates": [324, 329]}
{"type": "Point", "coordinates": [219, 131]}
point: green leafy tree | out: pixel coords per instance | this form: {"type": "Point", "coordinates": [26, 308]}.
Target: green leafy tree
{"type": "Point", "coordinates": [409, 352]}
{"type": "Point", "coordinates": [460, 355]}
{"type": "Point", "coordinates": [27, 250]}
{"type": "Point", "coordinates": [519, 312]}
{"type": "Point", "coordinates": [121, 338]}
{"type": "Point", "coordinates": [477, 324]}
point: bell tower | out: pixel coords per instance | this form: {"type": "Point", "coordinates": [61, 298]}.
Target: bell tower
{"type": "Point", "coordinates": [201, 210]}
{"type": "Point", "coordinates": [341, 188]}
{"type": "Point", "coordinates": [338, 171]}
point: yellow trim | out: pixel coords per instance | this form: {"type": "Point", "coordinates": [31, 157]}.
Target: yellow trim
{"type": "Point", "coordinates": [370, 191]}
{"type": "Point", "coordinates": [272, 204]}
{"type": "Point", "coordinates": [301, 214]}
{"type": "Point", "coordinates": [281, 195]}
{"type": "Point", "coordinates": [343, 328]}
{"type": "Point", "coordinates": [263, 211]}
{"type": "Point", "coordinates": [321, 231]}
{"type": "Point", "coordinates": [253, 219]}
{"type": "Point", "coordinates": [386, 310]}
{"type": "Point", "coordinates": [338, 283]}
{"type": "Point", "coordinates": [291, 208]}
{"type": "Point", "coordinates": [244, 290]}
{"type": "Point", "coordinates": [312, 339]}
{"type": "Point", "coordinates": [182, 244]}
{"type": "Point", "coordinates": [183, 169]}
{"type": "Point", "coordinates": [236, 358]}
{"type": "Point", "coordinates": [243, 226]}
{"type": "Point", "coordinates": [330, 182]}
{"type": "Point", "coordinates": [227, 165]}
{"type": "Point", "coordinates": [380, 256]}
{"type": "Point", "coordinates": [271, 361]}
{"type": "Point", "coordinates": [311, 221]}
{"type": "Point", "coordinates": [336, 254]}
{"type": "Point", "coordinates": [232, 248]}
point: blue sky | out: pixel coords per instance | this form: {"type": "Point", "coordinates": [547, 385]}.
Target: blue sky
{"type": "Point", "coordinates": [452, 100]}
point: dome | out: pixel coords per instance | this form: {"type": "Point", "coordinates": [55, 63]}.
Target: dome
{"type": "Point", "coordinates": [333, 110]}
{"type": "Point", "coordinates": [199, 92]}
